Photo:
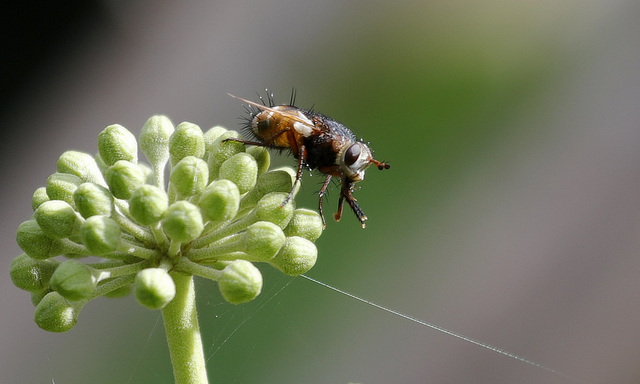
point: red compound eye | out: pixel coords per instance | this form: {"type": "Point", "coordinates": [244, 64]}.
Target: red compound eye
{"type": "Point", "coordinates": [352, 154]}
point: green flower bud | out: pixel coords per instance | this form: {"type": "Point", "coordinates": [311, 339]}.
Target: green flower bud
{"type": "Point", "coordinates": [240, 282]}
{"type": "Point", "coordinates": [262, 240]}
{"type": "Point", "coordinates": [31, 275]}
{"type": "Point", "coordinates": [272, 181]}
{"type": "Point", "coordinates": [305, 223]}
{"type": "Point", "coordinates": [116, 143]}
{"type": "Point", "coordinates": [149, 176]}
{"type": "Point", "coordinates": [292, 174]}
{"type": "Point", "coordinates": [57, 219]}
{"type": "Point", "coordinates": [221, 151]}
{"type": "Point", "coordinates": [123, 178]}
{"type": "Point", "coordinates": [55, 314]}
{"type": "Point", "coordinates": [39, 197]}
{"type": "Point", "coordinates": [242, 169]}
{"type": "Point", "coordinates": [148, 204]}
{"type": "Point", "coordinates": [61, 186]}
{"type": "Point", "coordinates": [220, 201]}
{"type": "Point", "coordinates": [270, 208]}
{"type": "Point", "coordinates": [73, 280]}
{"type": "Point", "coordinates": [82, 165]}
{"type": "Point", "coordinates": [100, 234]}
{"type": "Point", "coordinates": [261, 154]}
{"type": "Point", "coordinates": [101, 164]}
{"type": "Point", "coordinates": [187, 140]}
{"type": "Point", "coordinates": [190, 176]}
{"type": "Point", "coordinates": [297, 256]}
{"type": "Point", "coordinates": [154, 288]}
{"type": "Point", "coordinates": [211, 135]}
{"type": "Point", "coordinates": [154, 142]}
{"type": "Point", "coordinates": [183, 222]}
{"type": "Point", "coordinates": [259, 242]}
{"type": "Point", "coordinates": [92, 199]}
{"type": "Point", "coordinates": [34, 242]}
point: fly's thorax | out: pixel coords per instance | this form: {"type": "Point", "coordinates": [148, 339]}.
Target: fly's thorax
{"type": "Point", "coordinates": [353, 159]}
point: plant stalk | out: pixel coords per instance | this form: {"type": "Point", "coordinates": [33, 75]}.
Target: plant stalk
{"type": "Point", "coordinates": [183, 333]}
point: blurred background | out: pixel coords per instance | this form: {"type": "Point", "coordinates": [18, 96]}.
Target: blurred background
{"type": "Point", "coordinates": [511, 212]}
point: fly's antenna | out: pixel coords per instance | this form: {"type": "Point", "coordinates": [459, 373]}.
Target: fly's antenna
{"type": "Point", "coordinates": [380, 164]}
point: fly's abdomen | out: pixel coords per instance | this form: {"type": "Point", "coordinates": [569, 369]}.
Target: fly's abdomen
{"type": "Point", "coordinates": [280, 129]}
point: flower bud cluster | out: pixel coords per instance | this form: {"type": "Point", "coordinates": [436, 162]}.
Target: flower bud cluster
{"type": "Point", "coordinates": [220, 211]}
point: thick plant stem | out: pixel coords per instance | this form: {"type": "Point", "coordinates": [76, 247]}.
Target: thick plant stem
{"type": "Point", "coordinates": [183, 333]}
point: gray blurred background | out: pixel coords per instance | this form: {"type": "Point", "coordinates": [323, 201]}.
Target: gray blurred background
{"type": "Point", "coordinates": [511, 213]}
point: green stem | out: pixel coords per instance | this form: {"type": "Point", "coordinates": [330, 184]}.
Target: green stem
{"type": "Point", "coordinates": [174, 248]}
{"type": "Point", "coordinates": [132, 228]}
{"type": "Point", "coordinates": [183, 333]}
{"type": "Point", "coordinates": [188, 266]}
{"type": "Point", "coordinates": [126, 269]}
{"type": "Point", "coordinates": [137, 251]}
{"type": "Point", "coordinates": [69, 246]}
{"type": "Point", "coordinates": [158, 234]}
{"type": "Point", "coordinates": [109, 286]}
{"type": "Point", "coordinates": [158, 173]}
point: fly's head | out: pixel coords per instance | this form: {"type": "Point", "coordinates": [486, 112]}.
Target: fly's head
{"type": "Point", "coordinates": [355, 158]}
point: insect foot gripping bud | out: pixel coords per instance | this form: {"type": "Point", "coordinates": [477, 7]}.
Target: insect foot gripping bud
{"type": "Point", "coordinates": [220, 211]}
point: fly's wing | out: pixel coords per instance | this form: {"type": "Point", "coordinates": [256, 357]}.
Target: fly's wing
{"type": "Point", "coordinates": [288, 115]}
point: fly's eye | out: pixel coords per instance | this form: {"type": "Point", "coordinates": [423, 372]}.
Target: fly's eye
{"type": "Point", "coordinates": [352, 154]}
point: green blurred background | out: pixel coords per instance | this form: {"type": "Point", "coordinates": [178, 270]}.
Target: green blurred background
{"type": "Point", "coordinates": [510, 213]}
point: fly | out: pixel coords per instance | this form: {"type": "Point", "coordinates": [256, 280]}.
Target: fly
{"type": "Point", "coordinates": [317, 142]}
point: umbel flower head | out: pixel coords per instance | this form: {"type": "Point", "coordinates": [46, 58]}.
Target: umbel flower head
{"type": "Point", "coordinates": [220, 211]}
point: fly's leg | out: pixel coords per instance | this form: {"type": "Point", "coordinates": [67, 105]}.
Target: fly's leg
{"type": "Point", "coordinates": [265, 143]}
{"type": "Point", "coordinates": [302, 158]}
{"type": "Point", "coordinates": [323, 190]}
{"type": "Point", "coordinates": [345, 194]}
